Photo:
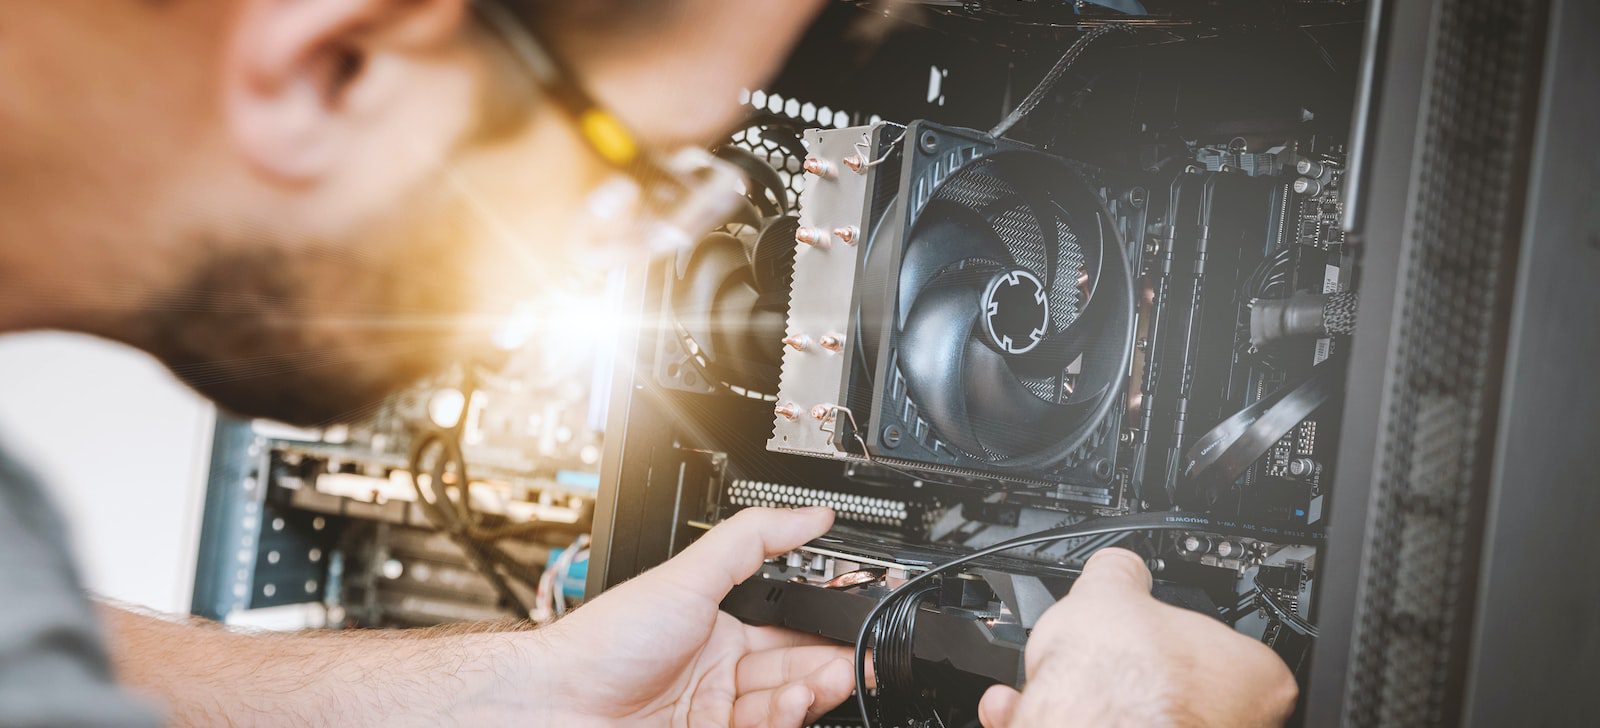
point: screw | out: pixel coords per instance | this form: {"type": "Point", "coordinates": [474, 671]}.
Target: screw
{"type": "Point", "coordinates": [832, 342]}
{"type": "Point", "coordinates": [1142, 344]}
{"type": "Point", "coordinates": [1126, 437]}
{"type": "Point", "coordinates": [811, 236]}
{"type": "Point", "coordinates": [818, 167]}
{"type": "Point", "coordinates": [930, 142]}
{"type": "Point", "coordinates": [892, 435]}
{"type": "Point", "coordinates": [788, 411]}
{"type": "Point", "coordinates": [1137, 196]}
{"type": "Point", "coordinates": [846, 234]}
{"type": "Point", "coordinates": [798, 342]}
{"type": "Point", "coordinates": [822, 412]}
{"type": "Point", "coordinates": [1102, 469]}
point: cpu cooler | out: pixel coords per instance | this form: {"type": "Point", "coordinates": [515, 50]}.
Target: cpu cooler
{"type": "Point", "coordinates": [990, 311]}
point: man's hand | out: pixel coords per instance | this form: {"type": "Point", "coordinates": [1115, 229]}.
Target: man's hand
{"type": "Point", "coordinates": [1109, 654]}
{"type": "Point", "coordinates": [655, 651]}
{"type": "Point", "coordinates": [658, 651]}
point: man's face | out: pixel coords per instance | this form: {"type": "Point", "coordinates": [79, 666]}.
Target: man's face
{"type": "Point", "coordinates": [373, 184]}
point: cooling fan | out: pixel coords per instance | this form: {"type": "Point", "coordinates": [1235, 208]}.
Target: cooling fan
{"type": "Point", "coordinates": [1010, 332]}
{"type": "Point", "coordinates": [993, 314]}
{"type": "Point", "coordinates": [729, 293]}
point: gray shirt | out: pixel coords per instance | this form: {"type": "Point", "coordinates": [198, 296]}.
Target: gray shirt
{"type": "Point", "coordinates": [54, 669]}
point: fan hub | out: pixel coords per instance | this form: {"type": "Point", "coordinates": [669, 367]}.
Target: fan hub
{"type": "Point", "coordinates": [1016, 311]}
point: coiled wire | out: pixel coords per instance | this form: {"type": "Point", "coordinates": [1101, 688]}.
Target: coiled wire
{"type": "Point", "coordinates": [893, 658]}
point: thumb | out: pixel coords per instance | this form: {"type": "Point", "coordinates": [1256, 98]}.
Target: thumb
{"type": "Point", "coordinates": [734, 550]}
{"type": "Point", "coordinates": [1113, 572]}
{"type": "Point", "coordinates": [999, 703]}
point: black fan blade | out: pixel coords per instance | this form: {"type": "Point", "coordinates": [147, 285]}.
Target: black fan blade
{"type": "Point", "coordinates": [773, 260]}
{"type": "Point", "coordinates": [945, 234]}
{"type": "Point", "coordinates": [931, 346]}
{"type": "Point", "coordinates": [742, 337]}
{"type": "Point", "coordinates": [1102, 321]}
{"type": "Point", "coordinates": [1036, 203]}
{"type": "Point", "coordinates": [772, 197]}
{"type": "Point", "coordinates": [717, 257]}
{"type": "Point", "coordinates": [745, 213]}
{"type": "Point", "coordinates": [1055, 352]}
{"type": "Point", "coordinates": [1006, 418]}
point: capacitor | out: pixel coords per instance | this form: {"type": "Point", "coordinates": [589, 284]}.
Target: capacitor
{"type": "Point", "coordinates": [1230, 550]}
{"type": "Point", "coordinates": [1199, 545]}
{"type": "Point", "coordinates": [1308, 187]}
{"type": "Point", "coordinates": [1302, 466]}
{"type": "Point", "coordinates": [1310, 168]}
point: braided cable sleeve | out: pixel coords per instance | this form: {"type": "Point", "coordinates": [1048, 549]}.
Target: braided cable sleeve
{"type": "Point", "coordinates": [1053, 76]}
{"type": "Point", "coordinates": [1339, 313]}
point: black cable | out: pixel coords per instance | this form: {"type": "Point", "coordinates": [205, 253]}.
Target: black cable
{"type": "Point", "coordinates": [1282, 613]}
{"type": "Point", "coordinates": [1053, 76]}
{"type": "Point", "coordinates": [1224, 453]}
{"type": "Point", "coordinates": [894, 656]}
{"type": "Point", "coordinates": [1155, 521]}
{"type": "Point", "coordinates": [1255, 283]}
{"type": "Point", "coordinates": [456, 517]}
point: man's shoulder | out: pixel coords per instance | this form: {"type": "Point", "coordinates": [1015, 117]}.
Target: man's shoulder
{"type": "Point", "coordinates": [54, 667]}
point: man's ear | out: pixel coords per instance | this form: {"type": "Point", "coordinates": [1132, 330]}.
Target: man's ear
{"type": "Point", "coordinates": [301, 72]}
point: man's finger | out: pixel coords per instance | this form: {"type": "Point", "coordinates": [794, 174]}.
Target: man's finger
{"type": "Point", "coordinates": [999, 703]}
{"type": "Point", "coordinates": [785, 707]}
{"type": "Point", "coordinates": [1113, 571]}
{"type": "Point", "coordinates": [830, 685]}
{"type": "Point", "coordinates": [760, 639]}
{"type": "Point", "coordinates": [734, 550]}
{"type": "Point", "coordinates": [771, 668]}
{"type": "Point", "coordinates": [826, 687]}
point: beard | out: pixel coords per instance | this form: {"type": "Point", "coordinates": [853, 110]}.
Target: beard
{"type": "Point", "coordinates": [307, 335]}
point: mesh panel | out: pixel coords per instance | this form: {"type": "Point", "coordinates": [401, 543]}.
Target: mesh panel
{"type": "Point", "coordinates": [1019, 229]}
{"type": "Point", "coordinates": [1044, 389]}
{"type": "Point", "coordinates": [789, 116]}
{"type": "Point", "coordinates": [1067, 297]}
{"type": "Point", "coordinates": [1418, 559]}
{"type": "Point", "coordinates": [762, 141]}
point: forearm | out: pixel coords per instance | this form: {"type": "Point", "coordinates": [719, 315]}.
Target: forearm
{"type": "Point", "coordinates": [207, 675]}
